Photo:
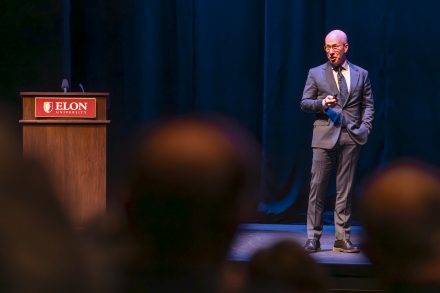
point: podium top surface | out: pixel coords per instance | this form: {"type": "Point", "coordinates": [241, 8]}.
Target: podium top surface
{"type": "Point", "coordinates": [63, 94]}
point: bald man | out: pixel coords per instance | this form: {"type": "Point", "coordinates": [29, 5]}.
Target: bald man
{"type": "Point", "coordinates": [339, 94]}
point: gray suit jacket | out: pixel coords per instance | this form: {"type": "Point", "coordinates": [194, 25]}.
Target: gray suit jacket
{"type": "Point", "coordinates": [356, 114]}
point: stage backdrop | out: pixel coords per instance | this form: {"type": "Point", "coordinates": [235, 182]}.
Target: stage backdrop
{"type": "Point", "coordinates": [247, 59]}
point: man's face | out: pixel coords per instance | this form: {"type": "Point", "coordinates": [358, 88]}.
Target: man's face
{"type": "Point", "coordinates": [335, 48]}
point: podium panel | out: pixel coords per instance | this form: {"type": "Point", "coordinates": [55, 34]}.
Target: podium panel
{"type": "Point", "coordinates": [72, 149]}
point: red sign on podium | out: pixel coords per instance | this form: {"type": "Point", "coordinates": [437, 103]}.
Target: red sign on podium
{"type": "Point", "coordinates": [65, 107]}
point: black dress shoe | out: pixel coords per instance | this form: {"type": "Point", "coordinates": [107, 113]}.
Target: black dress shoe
{"type": "Point", "coordinates": [345, 246]}
{"type": "Point", "coordinates": [312, 245]}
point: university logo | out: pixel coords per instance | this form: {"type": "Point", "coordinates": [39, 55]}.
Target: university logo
{"type": "Point", "coordinates": [65, 107]}
{"type": "Point", "coordinates": [48, 107]}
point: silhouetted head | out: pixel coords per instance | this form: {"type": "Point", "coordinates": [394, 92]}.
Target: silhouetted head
{"type": "Point", "coordinates": [400, 209]}
{"type": "Point", "coordinates": [190, 176]}
{"type": "Point", "coordinates": [285, 267]}
{"type": "Point", "coordinates": [38, 249]}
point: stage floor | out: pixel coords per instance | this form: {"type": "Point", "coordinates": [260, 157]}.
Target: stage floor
{"type": "Point", "coordinates": [252, 237]}
{"type": "Point", "coordinates": [347, 271]}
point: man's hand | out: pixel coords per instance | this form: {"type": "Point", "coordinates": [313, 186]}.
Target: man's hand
{"type": "Point", "coordinates": [329, 101]}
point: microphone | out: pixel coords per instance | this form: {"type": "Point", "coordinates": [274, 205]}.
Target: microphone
{"type": "Point", "coordinates": [65, 85]}
{"type": "Point", "coordinates": [81, 86]}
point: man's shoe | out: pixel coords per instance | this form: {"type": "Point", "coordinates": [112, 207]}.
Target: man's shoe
{"type": "Point", "coordinates": [345, 246]}
{"type": "Point", "coordinates": [312, 245]}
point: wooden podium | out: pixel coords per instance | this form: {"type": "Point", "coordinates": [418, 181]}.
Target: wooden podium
{"type": "Point", "coordinates": [72, 148]}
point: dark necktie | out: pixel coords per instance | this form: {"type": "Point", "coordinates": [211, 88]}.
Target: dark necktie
{"type": "Point", "coordinates": [343, 89]}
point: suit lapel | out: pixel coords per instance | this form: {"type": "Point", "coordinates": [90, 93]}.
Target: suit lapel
{"type": "Point", "coordinates": [354, 79]}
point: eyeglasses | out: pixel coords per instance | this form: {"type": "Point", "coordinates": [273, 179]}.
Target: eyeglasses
{"type": "Point", "coordinates": [335, 47]}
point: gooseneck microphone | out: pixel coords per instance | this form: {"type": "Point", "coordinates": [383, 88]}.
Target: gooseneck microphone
{"type": "Point", "coordinates": [82, 87]}
{"type": "Point", "coordinates": [65, 85]}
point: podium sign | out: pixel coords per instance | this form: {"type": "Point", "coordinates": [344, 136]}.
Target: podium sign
{"type": "Point", "coordinates": [65, 107]}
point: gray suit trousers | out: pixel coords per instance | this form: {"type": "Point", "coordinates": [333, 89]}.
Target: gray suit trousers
{"type": "Point", "coordinates": [344, 156]}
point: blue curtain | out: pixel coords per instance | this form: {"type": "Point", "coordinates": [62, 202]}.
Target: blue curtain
{"type": "Point", "coordinates": [248, 59]}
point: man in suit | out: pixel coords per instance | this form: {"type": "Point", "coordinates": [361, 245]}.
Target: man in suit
{"type": "Point", "coordinates": [339, 94]}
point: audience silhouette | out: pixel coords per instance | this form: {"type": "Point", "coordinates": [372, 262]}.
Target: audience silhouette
{"type": "Point", "coordinates": [400, 209]}
{"type": "Point", "coordinates": [39, 251]}
{"type": "Point", "coordinates": [190, 177]}
{"type": "Point", "coordinates": [283, 268]}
